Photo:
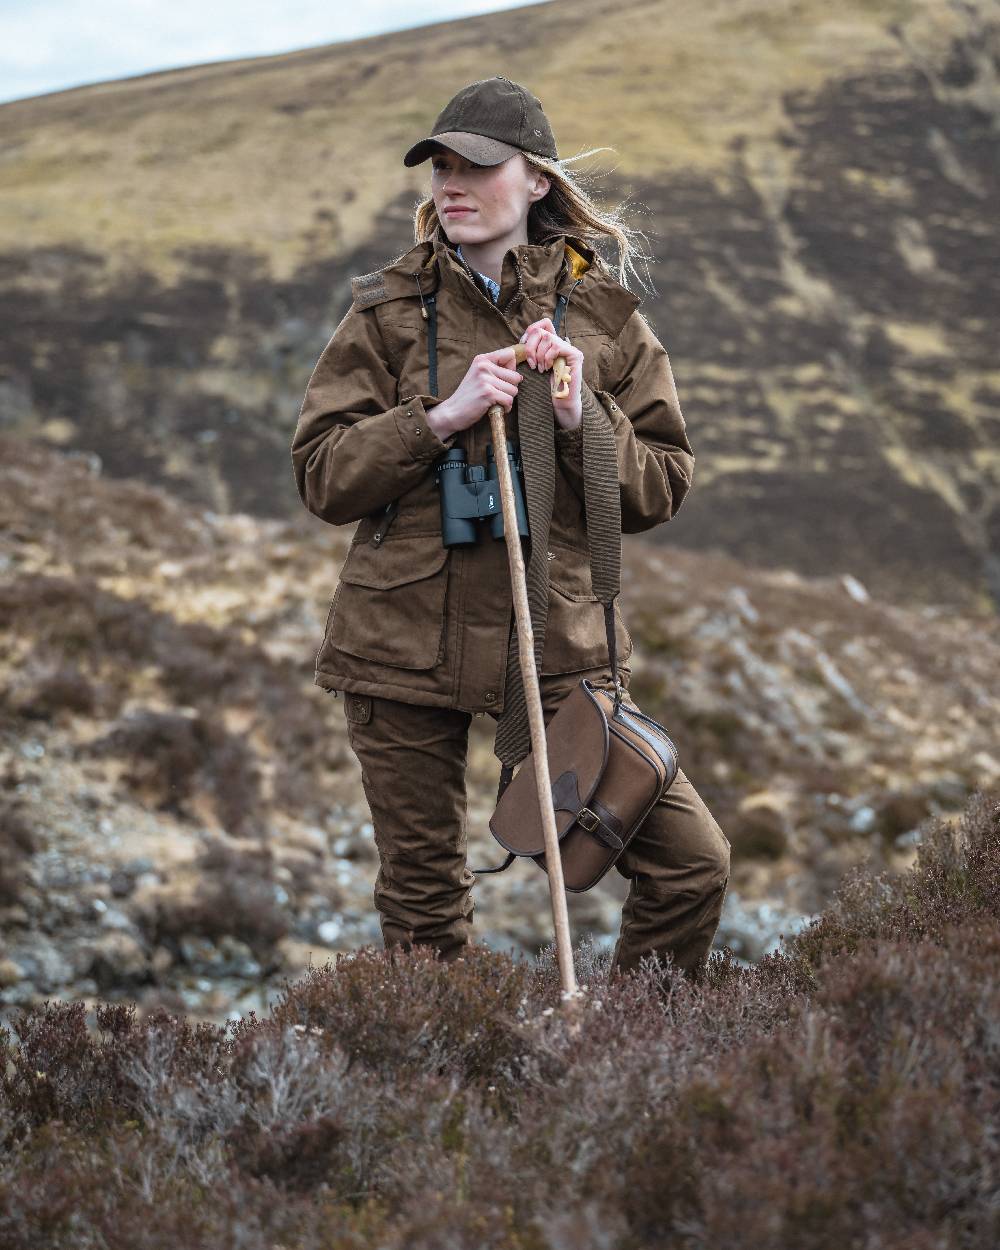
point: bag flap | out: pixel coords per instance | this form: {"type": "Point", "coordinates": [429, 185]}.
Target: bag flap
{"type": "Point", "coordinates": [577, 748]}
{"type": "Point", "coordinates": [396, 561]}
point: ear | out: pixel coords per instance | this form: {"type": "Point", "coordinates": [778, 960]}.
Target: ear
{"type": "Point", "coordinates": [541, 188]}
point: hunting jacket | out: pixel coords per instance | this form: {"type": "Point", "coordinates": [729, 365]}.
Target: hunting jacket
{"type": "Point", "coordinates": [411, 619]}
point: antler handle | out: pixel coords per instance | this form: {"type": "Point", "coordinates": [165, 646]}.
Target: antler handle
{"type": "Point", "coordinates": [560, 371]}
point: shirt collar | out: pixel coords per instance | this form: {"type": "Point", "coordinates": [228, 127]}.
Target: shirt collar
{"type": "Point", "coordinates": [494, 287]}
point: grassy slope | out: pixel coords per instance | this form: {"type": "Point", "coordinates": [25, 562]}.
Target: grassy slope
{"type": "Point", "coordinates": [243, 152]}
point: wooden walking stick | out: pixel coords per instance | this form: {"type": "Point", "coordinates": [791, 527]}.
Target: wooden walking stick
{"type": "Point", "coordinates": [529, 673]}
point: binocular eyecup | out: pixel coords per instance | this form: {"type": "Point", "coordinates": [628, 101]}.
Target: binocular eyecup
{"type": "Point", "coordinates": [470, 493]}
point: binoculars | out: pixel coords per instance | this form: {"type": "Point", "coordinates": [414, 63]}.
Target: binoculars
{"type": "Point", "coordinates": [470, 493]}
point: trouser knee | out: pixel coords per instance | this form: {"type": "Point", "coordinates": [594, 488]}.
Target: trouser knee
{"type": "Point", "coordinates": [413, 771]}
{"type": "Point", "coordinates": [678, 864]}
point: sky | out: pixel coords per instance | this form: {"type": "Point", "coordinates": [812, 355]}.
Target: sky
{"type": "Point", "coordinates": [49, 45]}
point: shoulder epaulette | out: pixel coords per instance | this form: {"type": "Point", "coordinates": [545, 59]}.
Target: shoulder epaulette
{"type": "Point", "coordinates": [393, 281]}
{"type": "Point", "coordinates": [369, 288]}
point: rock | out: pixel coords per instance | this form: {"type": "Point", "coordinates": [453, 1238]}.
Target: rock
{"type": "Point", "coordinates": [45, 964]}
{"type": "Point", "coordinates": [754, 929]}
{"type": "Point", "coordinates": [863, 819]}
{"type": "Point", "coordinates": [761, 829]}
{"type": "Point", "coordinates": [199, 953]}
{"type": "Point", "coordinates": [162, 961]}
{"type": "Point", "coordinates": [112, 918]}
{"type": "Point", "coordinates": [122, 884]}
{"type": "Point", "coordinates": [118, 959]}
{"type": "Point", "coordinates": [854, 588]}
{"type": "Point", "coordinates": [10, 973]}
{"type": "Point", "coordinates": [238, 959]}
{"type": "Point", "coordinates": [738, 599]}
{"type": "Point", "coordinates": [153, 899]}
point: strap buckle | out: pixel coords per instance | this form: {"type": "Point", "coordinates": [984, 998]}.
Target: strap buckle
{"type": "Point", "coordinates": [587, 819]}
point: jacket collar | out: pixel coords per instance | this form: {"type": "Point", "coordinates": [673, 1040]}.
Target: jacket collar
{"type": "Point", "coordinates": [560, 263]}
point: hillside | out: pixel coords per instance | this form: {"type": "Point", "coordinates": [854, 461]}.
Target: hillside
{"type": "Point", "coordinates": [182, 818]}
{"type": "Point", "coordinates": [820, 190]}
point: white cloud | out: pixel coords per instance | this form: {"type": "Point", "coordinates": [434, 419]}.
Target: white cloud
{"type": "Point", "coordinates": [49, 45]}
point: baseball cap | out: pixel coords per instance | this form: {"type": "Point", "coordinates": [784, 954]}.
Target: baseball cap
{"type": "Point", "coordinates": [488, 122]}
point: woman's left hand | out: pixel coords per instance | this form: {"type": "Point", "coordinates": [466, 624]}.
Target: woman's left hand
{"type": "Point", "coordinates": [543, 345]}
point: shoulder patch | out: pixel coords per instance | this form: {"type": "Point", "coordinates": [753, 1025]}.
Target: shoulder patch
{"type": "Point", "coordinates": [368, 288]}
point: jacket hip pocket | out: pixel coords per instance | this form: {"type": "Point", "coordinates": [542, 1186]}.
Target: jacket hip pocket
{"type": "Point", "coordinates": [391, 603]}
{"type": "Point", "coordinates": [575, 634]}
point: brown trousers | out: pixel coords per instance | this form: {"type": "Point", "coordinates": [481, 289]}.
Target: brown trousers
{"type": "Point", "coordinates": [413, 761]}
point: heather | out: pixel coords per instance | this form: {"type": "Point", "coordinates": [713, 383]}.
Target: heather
{"type": "Point", "coordinates": [842, 1092]}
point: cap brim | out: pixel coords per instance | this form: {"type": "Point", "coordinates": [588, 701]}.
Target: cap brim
{"type": "Point", "coordinates": [478, 148]}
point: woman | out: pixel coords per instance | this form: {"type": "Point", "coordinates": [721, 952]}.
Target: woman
{"type": "Point", "coordinates": [418, 633]}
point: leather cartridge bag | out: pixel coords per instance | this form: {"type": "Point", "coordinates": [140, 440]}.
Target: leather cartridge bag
{"type": "Point", "coordinates": [608, 762]}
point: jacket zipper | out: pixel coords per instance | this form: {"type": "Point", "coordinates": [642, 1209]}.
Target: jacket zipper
{"type": "Point", "coordinates": [486, 299]}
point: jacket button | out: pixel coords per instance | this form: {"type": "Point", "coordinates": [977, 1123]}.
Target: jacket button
{"type": "Point", "coordinates": [417, 430]}
{"type": "Point", "coordinates": [490, 696]}
{"type": "Point", "coordinates": [551, 555]}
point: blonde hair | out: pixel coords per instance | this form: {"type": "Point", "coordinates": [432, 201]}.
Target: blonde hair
{"type": "Point", "coordinates": [567, 208]}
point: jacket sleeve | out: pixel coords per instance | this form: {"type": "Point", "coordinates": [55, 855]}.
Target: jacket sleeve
{"type": "Point", "coordinates": [655, 459]}
{"type": "Point", "coordinates": [355, 447]}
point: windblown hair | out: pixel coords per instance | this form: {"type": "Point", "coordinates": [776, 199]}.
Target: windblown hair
{"type": "Point", "coordinates": [567, 208]}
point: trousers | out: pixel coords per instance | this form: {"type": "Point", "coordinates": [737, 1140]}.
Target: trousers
{"type": "Point", "coordinates": [413, 761]}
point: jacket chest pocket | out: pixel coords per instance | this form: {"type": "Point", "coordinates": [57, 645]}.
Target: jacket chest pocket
{"type": "Point", "coordinates": [406, 342]}
{"type": "Point", "coordinates": [390, 604]}
{"type": "Point", "coordinates": [597, 348]}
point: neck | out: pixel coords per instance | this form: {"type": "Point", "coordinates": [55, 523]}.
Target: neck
{"type": "Point", "coordinates": [487, 257]}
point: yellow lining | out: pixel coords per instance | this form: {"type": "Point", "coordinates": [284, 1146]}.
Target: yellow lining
{"type": "Point", "coordinates": [578, 265]}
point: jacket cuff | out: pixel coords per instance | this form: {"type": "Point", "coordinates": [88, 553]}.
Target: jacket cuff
{"type": "Point", "coordinates": [415, 433]}
{"type": "Point", "coordinates": [569, 443]}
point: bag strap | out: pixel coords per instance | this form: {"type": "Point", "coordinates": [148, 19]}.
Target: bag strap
{"type": "Point", "coordinates": [602, 503]}
{"type": "Point", "coordinates": [602, 508]}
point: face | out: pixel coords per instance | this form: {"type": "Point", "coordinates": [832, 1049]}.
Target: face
{"type": "Point", "coordinates": [496, 197]}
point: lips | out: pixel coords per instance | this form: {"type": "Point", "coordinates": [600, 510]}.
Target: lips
{"type": "Point", "coordinates": [458, 212]}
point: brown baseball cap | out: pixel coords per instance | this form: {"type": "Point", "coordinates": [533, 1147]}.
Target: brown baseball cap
{"type": "Point", "coordinates": [488, 122]}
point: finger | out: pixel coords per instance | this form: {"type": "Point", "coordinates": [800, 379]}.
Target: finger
{"type": "Point", "coordinates": [543, 323]}
{"type": "Point", "coordinates": [502, 356]}
{"type": "Point", "coordinates": [536, 350]}
{"type": "Point", "coordinates": [530, 341]}
{"type": "Point", "coordinates": [501, 397]}
{"type": "Point", "coordinates": [535, 333]}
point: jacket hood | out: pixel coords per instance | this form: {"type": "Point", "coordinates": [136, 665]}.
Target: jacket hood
{"type": "Point", "coordinates": [559, 263]}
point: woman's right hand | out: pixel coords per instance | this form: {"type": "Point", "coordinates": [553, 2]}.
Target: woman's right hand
{"type": "Point", "coordinates": [489, 381]}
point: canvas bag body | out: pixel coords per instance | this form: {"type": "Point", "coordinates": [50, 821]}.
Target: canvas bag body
{"type": "Point", "coordinates": [608, 765]}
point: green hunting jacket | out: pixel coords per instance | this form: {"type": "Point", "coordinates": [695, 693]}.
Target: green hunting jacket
{"type": "Point", "coordinates": [411, 619]}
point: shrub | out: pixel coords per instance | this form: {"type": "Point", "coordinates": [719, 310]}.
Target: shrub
{"type": "Point", "coordinates": [840, 1093]}
{"type": "Point", "coordinates": [171, 756]}
{"type": "Point", "coordinates": [235, 896]}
